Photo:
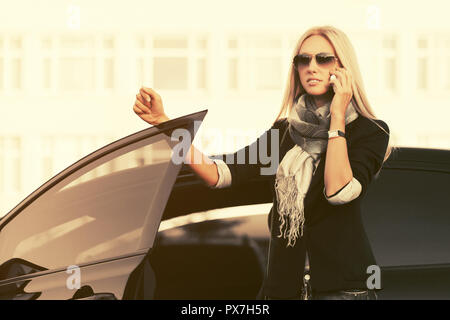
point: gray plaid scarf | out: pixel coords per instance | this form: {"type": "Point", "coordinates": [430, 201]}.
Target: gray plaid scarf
{"type": "Point", "coordinates": [308, 128]}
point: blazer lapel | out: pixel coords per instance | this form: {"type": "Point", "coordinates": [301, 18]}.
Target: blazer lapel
{"type": "Point", "coordinates": [315, 181]}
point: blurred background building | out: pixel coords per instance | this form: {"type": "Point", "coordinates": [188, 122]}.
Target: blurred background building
{"type": "Point", "coordinates": [70, 70]}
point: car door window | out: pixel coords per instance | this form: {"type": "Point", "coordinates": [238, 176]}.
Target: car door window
{"type": "Point", "coordinates": [97, 212]}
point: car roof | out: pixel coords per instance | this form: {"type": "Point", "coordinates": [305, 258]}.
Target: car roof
{"type": "Point", "coordinates": [419, 158]}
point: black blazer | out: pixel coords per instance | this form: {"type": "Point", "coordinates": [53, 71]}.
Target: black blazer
{"type": "Point", "coordinates": [334, 237]}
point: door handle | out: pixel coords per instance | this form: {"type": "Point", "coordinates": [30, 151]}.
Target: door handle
{"type": "Point", "coordinates": [100, 296]}
{"type": "Point", "coordinates": [87, 293]}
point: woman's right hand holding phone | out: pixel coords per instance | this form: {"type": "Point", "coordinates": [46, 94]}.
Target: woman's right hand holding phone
{"type": "Point", "coordinates": [149, 107]}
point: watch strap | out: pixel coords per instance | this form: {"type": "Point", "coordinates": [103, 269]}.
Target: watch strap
{"type": "Point", "coordinates": [336, 133]}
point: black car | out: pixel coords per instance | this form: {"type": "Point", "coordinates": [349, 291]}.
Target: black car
{"type": "Point", "coordinates": [217, 246]}
{"type": "Point", "coordinates": [126, 222]}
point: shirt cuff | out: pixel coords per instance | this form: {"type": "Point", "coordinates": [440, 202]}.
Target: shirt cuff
{"type": "Point", "coordinates": [348, 193]}
{"type": "Point", "coordinates": [224, 175]}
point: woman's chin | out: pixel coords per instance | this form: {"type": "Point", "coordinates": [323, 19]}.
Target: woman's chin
{"type": "Point", "coordinates": [316, 91]}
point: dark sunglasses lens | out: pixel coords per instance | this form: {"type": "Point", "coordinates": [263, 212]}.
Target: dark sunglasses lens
{"type": "Point", "coordinates": [324, 60]}
{"type": "Point", "coordinates": [302, 60]}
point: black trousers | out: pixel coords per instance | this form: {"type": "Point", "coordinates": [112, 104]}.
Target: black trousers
{"type": "Point", "coordinates": [346, 295]}
{"type": "Point", "coordinates": [306, 292]}
{"type": "Point", "coordinates": [355, 294]}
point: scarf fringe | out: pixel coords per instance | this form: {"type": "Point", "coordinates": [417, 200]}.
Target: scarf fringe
{"type": "Point", "coordinates": [290, 209]}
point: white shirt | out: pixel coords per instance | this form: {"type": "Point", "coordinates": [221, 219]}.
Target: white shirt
{"type": "Point", "coordinates": [349, 192]}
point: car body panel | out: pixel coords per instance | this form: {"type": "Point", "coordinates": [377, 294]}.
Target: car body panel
{"type": "Point", "coordinates": [108, 276]}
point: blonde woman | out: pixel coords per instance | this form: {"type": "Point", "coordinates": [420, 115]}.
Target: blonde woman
{"type": "Point", "coordinates": [330, 147]}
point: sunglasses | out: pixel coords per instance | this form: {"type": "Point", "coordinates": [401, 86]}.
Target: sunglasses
{"type": "Point", "coordinates": [322, 59]}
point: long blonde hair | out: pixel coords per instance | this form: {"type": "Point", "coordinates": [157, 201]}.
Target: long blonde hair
{"type": "Point", "coordinates": [346, 55]}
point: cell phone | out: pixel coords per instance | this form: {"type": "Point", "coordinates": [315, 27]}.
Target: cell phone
{"type": "Point", "coordinates": [332, 77]}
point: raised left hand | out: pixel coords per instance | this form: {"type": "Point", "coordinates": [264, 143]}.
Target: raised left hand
{"type": "Point", "coordinates": [343, 92]}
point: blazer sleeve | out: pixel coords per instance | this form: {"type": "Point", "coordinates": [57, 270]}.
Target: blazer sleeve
{"type": "Point", "coordinates": [367, 154]}
{"type": "Point", "coordinates": [259, 158]}
{"type": "Point", "coordinates": [346, 194]}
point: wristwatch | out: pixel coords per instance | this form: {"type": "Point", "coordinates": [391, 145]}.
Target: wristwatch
{"type": "Point", "coordinates": [335, 133]}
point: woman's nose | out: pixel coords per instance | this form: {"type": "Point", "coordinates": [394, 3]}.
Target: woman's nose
{"type": "Point", "coordinates": [313, 64]}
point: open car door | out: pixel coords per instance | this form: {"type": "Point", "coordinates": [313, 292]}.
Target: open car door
{"type": "Point", "coordinates": [84, 232]}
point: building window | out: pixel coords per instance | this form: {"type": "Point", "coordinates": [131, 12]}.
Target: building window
{"type": "Point", "coordinates": [201, 73]}
{"type": "Point", "coordinates": [76, 73]}
{"type": "Point", "coordinates": [48, 153]}
{"type": "Point", "coordinates": [108, 73]}
{"type": "Point", "coordinates": [10, 164]}
{"type": "Point", "coordinates": [442, 60]}
{"type": "Point", "coordinates": [16, 73]}
{"type": "Point", "coordinates": [433, 62]}
{"type": "Point", "coordinates": [268, 73]}
{"type": "Point", "coordinates": [140, 71]}
{"type": "Point", "coordinates": [390, 54]}
{"type": "Point", "coordinates": [46, 73]}
{"type": "Point", "coordinates": [422, 72]}
{"type": "Point", "coordinates": [447, 71]}
{"type": "Point", "coordinates": [254, 62]}
{"type": "Point", "coordinates": [170, 43]}
{"type": "Point", "coordinates": [173, 62]}
{"type": "Point", "coordinates": [446, 58]}
{"type": "Point", "coordinates": [48, 63]}
{"type": "Point", "coordinates": [2, 165]}
{"type": "Point", "coordinates": [11, 63]}
{"type": "Point", "coordinates": [16, 62]}
{"type": "Point", "coordinates": [422, 62]}
{"type": "Point", "coordinates": [2, 73]}
{"type": "Point", "coordinates": [170, 73]}
{"type": "Point", "coordinates": [170, 63]}
{"type": "Point", "coordinates": [233, 73]}
{"type": "Point", "coordinates": [108, 62]}
{"type": "Point", "coordinates": [78, 63]}
{"type": "Point", "coordinates": [16, 162]}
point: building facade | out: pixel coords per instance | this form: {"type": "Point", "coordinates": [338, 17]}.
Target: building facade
{"type": "Point", "coordinates": [68, 81]}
